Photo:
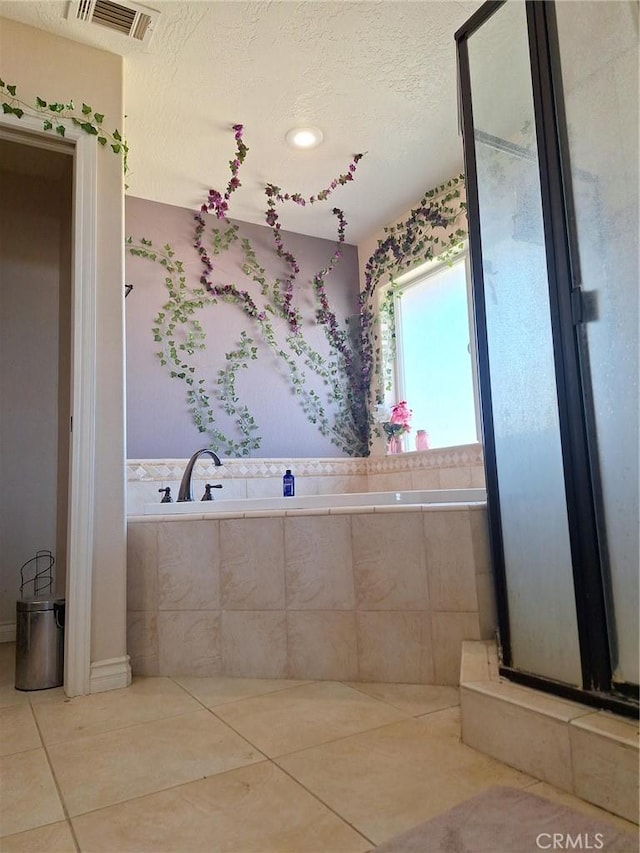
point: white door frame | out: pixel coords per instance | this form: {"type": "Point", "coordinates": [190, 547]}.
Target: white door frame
{"type": "Point", "coordinates": [80, 528]}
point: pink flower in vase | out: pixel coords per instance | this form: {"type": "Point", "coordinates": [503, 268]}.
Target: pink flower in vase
{"type": "Point", "coordinates": [398, 424]}
{"type": "Point", "coordinates": [394, 445]}
{"type": "Point", "coordinates": [401, 414]}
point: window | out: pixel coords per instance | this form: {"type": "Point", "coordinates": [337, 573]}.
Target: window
{"type": "Point", "coordinates": [435, 356]}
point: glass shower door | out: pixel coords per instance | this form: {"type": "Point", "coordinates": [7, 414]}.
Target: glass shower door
{"type": "Point", "coordinates": [598, 46]}
{"type": "Point", "coordinates": [514, 315]}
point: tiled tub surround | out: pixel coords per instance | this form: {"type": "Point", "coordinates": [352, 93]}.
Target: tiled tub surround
{"type": "Point", "coordinates": [350, 594]}
{"type": "Point", "coordinates": [445, 468]}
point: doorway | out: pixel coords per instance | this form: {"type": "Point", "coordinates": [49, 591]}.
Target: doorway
{"type": "Point", "coordinates": [59, 389]}
{"type": "Point", "coordinates": [35, 354]}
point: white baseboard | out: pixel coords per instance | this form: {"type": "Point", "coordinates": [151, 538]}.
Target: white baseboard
{"type": "Point", "coordinates": [110, 674]}
{"type": "Point", "coordinates": [7, 632]}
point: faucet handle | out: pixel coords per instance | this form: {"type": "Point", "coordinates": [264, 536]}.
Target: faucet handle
{"type": "Point", "coordinates": [207, 491]}
{"type": "Point", "coordinates": [167, 499]}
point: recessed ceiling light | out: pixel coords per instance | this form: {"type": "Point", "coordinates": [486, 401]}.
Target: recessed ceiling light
{"type": "Point", "coordinates": [304, 137]}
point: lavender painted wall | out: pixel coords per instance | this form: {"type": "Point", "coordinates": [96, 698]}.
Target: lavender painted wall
{"type": "Point", "coordinates": [159, 423]}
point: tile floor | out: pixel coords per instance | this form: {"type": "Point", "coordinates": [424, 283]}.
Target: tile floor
{"type": "Point", "coordinates": [234, 764]}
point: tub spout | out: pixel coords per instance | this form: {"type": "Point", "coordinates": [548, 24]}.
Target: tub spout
{"type": "Point", "coordinates": [185, 492]}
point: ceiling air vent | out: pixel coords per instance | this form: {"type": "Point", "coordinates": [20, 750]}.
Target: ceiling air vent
{"type": "Point", "coordinates": [129, 19]}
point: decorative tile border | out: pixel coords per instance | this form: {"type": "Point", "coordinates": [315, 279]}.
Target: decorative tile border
{"type": "Point", "coordinates": [140, 470]}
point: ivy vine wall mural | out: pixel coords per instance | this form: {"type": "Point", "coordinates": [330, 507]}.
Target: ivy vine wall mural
{"type": "Point", "coordinates": [291, 317]}
{"type": "Point", "coordinates": [296, 307]}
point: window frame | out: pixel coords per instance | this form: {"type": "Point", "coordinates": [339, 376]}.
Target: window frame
{"type": "Point", "coordinates": [411, 279]}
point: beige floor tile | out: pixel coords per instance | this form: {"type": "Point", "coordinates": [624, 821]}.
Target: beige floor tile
{"type": "Point", "coordinates": [10, 696]}
{"type": "Point", "coordinates": [304, 716]}
{"type": "Point", "coordinates": [54, 838]}
{"type": "Point", "coordinates": [18, 731]}
{"type": "Point", "coordinates": [444, 724]}
{"type": "Point", "coordinates": [542, 789]}
{"type": "Point", "coordinates": [28, 796]}
{"type": "Point", "coordinates": [145, 700]}
{"type": "Point", "coordinates": [257, 808]}
{"type": "Point", "coordinates": [415, 699]}
{"type": "Point", "coordinates": [385, 781]}
{"type": "Point", "coordinates": [98, 771]}
{"type": "Point", "coordinates": [222, 689]}
{"type": "Point", "coordinates": [53, 694]}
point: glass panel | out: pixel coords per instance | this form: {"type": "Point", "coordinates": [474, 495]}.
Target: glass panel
{"type": "Point", "coordinates": [436, 356]}
{"type": "Point", "coordinates": [542, 612]}
{"type": "Point", "coordinates": [599, 56]}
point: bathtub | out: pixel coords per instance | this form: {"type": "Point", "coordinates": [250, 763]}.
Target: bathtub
{"type": "Point", "coordinates": [363, 501]}
{"type": "Point", "coordinates": [375, 586]}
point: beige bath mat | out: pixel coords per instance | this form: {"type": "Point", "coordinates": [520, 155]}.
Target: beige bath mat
{"type": "Point", "coordinates": [509, 820]}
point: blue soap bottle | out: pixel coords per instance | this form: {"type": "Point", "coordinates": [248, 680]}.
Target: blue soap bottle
{"type": "Point", "coordinates": [288, 484]}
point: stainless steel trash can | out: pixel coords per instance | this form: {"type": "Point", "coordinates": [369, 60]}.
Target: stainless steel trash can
{"type": "Point", "coordinates": [39, 642]}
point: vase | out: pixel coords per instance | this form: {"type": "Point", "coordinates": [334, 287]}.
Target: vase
{"type": "Point", "coordinates": [394, 445]}
{"type": "Point", "coordinates": [422, 440]}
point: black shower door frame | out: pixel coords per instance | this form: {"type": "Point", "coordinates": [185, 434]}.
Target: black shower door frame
{"type": "Point", "coordinates": [568, 312]}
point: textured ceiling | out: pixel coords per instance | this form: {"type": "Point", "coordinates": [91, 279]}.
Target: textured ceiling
{"type": "Point", "coordinates": [378, 77]}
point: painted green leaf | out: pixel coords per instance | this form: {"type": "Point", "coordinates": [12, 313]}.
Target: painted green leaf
{"type": "Point", "coordinates": [60, 130]}
{"type": "Point", "coordinates": [86, 109]}
{"type": "Point", "coordinates": [40, 103]}
{"type": "Point", "coordinates": [12, 91]}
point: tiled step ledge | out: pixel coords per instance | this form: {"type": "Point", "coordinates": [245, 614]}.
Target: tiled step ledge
{"type": "Point", "coordinates": [591, 754]}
